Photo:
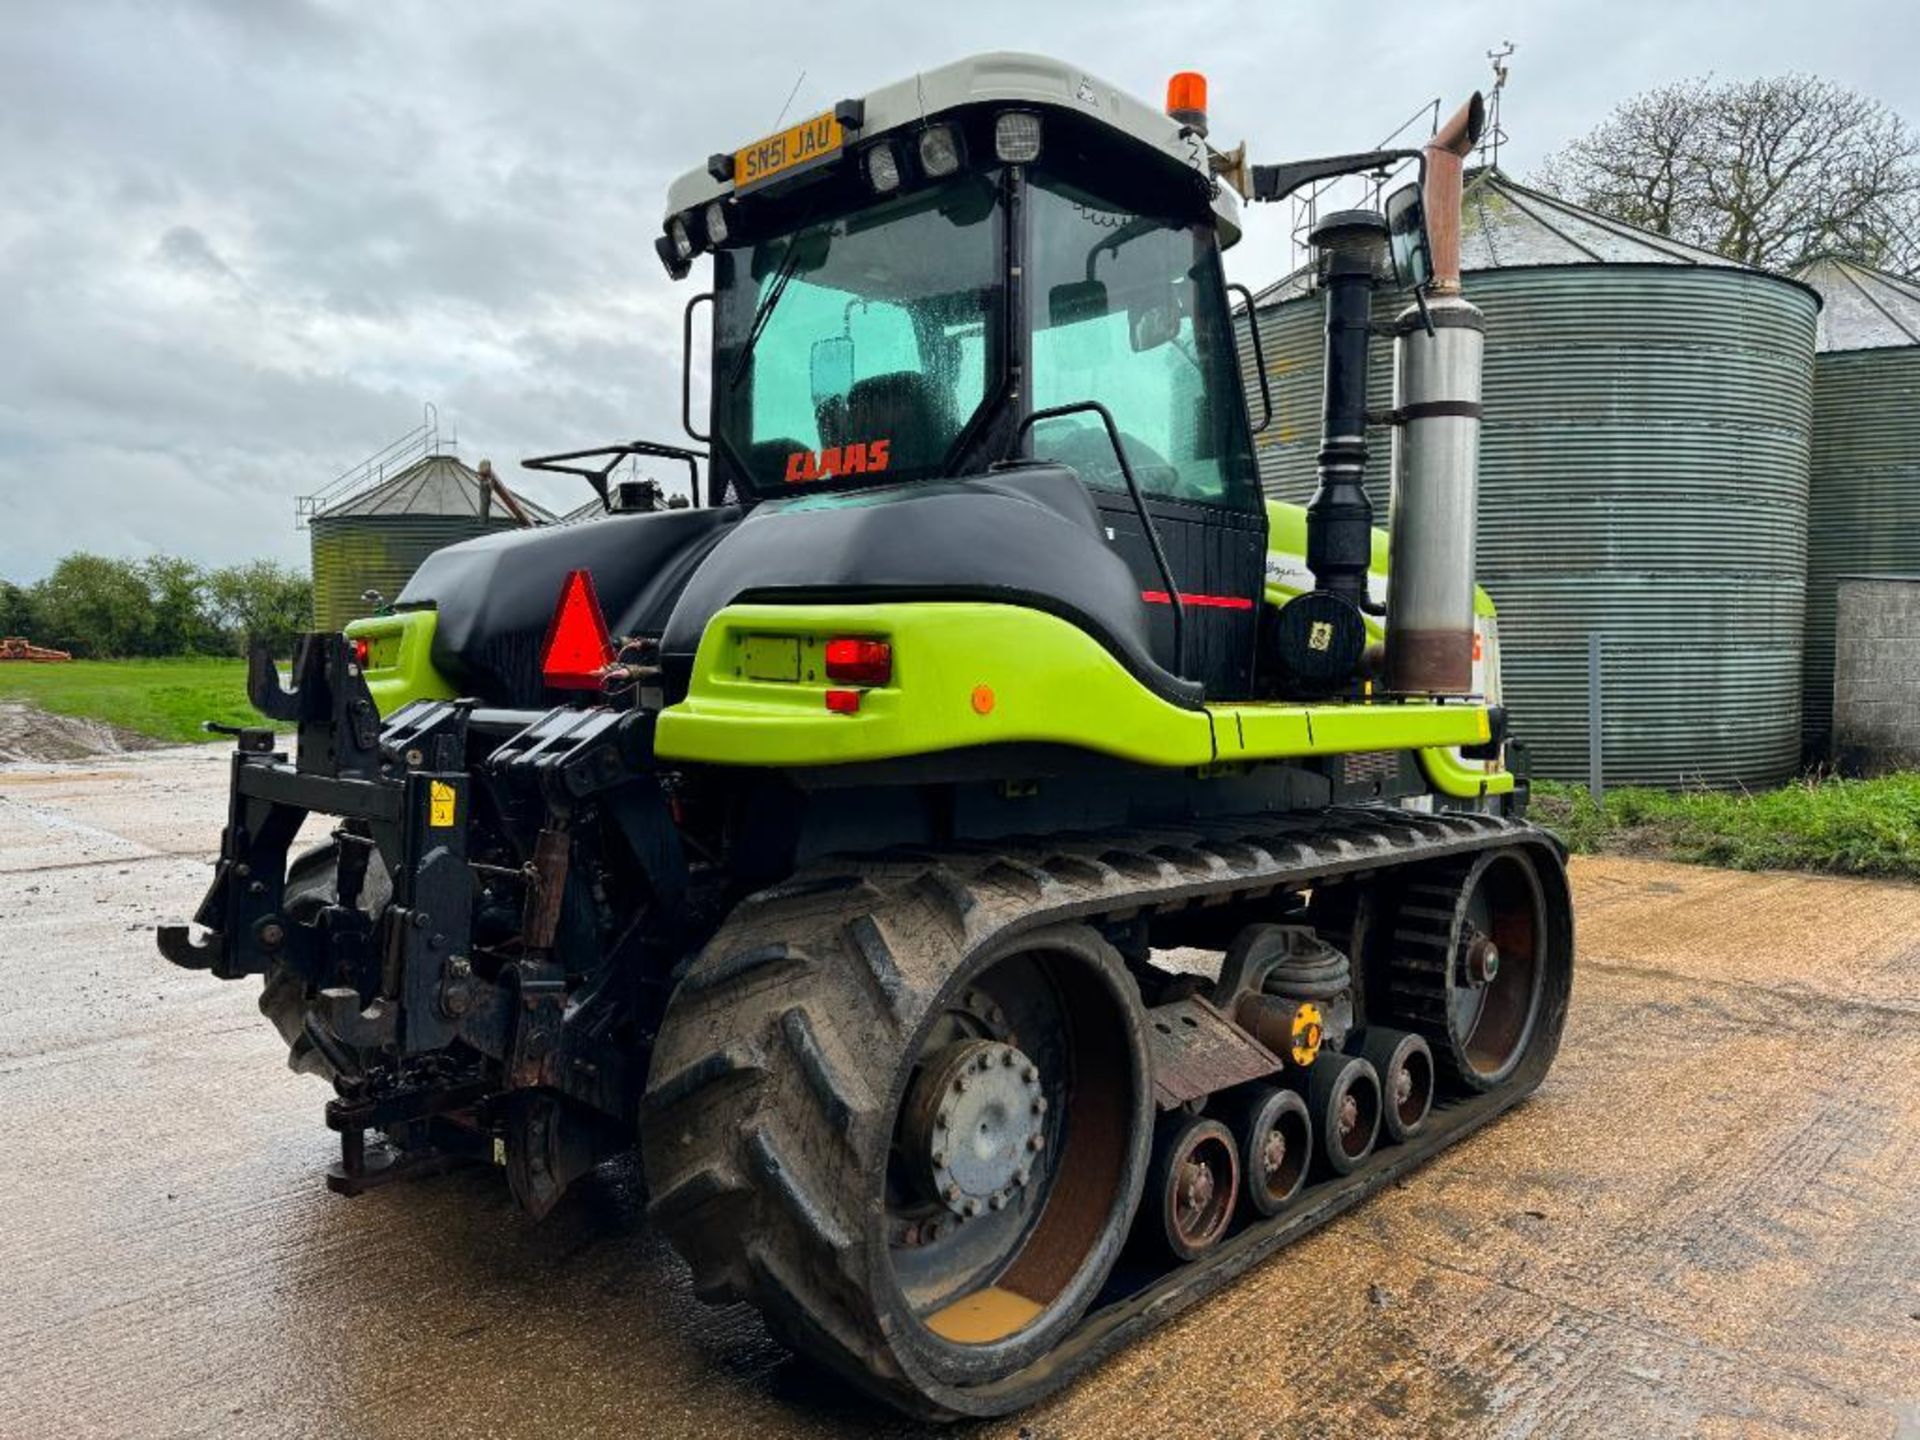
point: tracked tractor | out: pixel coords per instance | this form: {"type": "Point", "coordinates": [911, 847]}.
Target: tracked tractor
{"type": "Point", "coordinates": [1004, 875]}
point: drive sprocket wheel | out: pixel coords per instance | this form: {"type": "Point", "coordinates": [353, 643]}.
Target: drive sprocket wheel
{"type": "Point", "coordinates": [1471, 959]}
{"type": "Point", "coordinates": [919, 1160]}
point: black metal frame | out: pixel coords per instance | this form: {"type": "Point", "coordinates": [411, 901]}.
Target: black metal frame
{"type": "Point", "coordinates": [1272, 183]}
{"type": "Point", "coordinates": [407, 791]}
{"type": "Point", "coordinates": [596, 476]}
{"type": "Point", "coordinates": [705, 297]}
{"type": "Point", "coordinates": [1259, 358]}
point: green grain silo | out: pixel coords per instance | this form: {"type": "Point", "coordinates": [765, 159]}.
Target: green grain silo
{"type": "Point", "coordinates": [376, 536]}
{"type": "Point", "coordinates": [1643, 477]}
{"type": "Point", "coordinates": [1864, 497]}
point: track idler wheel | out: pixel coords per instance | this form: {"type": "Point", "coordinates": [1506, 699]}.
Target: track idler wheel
{"type": "Point", "coordinates": [1192, 1185]}
{"type": "Point", "coordinates": [1343, 1100]}
{"type": "Point", "coordinates": [1474, 955]}
{"type": "Point", "coordinates": [1405, 1066]}
{"type": "Point", "coordinates": [1275, 1136]}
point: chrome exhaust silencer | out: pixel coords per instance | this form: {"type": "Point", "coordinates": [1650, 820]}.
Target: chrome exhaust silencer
{"type": "Point", "coordinates": [1436, 449]}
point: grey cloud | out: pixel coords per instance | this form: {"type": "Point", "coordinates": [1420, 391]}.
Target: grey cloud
{"type": "Point", "coordinates": [185, 247]}
{"type": "Point", "coordinates": [244, 240]}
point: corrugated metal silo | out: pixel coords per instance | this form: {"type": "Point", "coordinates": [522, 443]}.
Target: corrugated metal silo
{"type": "Point", "coordinates": [1643, 470]}
{"type": "Point", "coordinates": [375, 539]}
{"type": "Point", "coordinates": [1863, 507]}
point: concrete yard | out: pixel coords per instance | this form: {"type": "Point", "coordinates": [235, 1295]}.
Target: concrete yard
{"type": "Point", "coordinates": [1707, 1221]}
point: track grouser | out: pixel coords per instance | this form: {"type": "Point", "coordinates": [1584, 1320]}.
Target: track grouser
{"type": "Point", "coordinates": [1004, 875]}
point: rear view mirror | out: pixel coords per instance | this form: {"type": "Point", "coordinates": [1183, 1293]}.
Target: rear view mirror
{"type": "Point", "coordinates": [1152, 327]}
{"type": "Point", "coordinates": [830, 368]}
{"type": "Point", "coordinates": [1407, 238]}
{"type": "Point", "coordinates": [1076, 301]}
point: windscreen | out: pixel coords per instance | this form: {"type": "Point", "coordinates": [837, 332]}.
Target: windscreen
{"type": "Point", "coordinates": [1130, 310]}
{"type": "Point", "coordinates": [860, 347]}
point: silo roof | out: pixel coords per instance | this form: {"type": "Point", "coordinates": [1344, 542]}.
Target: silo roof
{"type": "Point", "coordinates": [1504, 224]}
{"type": "Point", "coordinates": [432, 485]}
{"type": "Point", "coordinates": [1862, 308]}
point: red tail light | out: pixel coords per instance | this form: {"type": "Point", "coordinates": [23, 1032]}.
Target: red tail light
{"type": "Point", "coordinates": [361, 653]}
{"type": "Point", "coordinates": [859, 662]}
{"type": "Point", "coordinates": [578, 648]}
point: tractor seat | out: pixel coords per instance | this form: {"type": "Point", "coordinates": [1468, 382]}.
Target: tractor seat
{"type": "Point", "coordinates": [903, 408]}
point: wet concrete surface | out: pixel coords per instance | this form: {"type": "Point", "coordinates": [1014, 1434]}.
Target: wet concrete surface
{"type": "Point", "coordinates": [1707, 1222]}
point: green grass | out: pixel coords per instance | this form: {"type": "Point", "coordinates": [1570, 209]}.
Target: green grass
{"type": "Point", "coordinates": [166, 699]}
{"type": "Point", "coordinates": [1845, 827]}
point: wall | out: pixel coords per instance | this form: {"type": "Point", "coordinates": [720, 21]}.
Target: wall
{"type": "Point", "coordinates": [1876, 675]}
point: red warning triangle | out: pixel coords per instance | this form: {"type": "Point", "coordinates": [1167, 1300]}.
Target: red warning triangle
{"type": "Point", "coordinates": [578, 647]}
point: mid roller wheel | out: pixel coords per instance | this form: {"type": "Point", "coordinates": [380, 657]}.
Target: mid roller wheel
{"type": "Point", "coordinates": [1343, 1097]}
{"type": "Point", "coordinates": [1191, 1186]}
{"type": "Point", "coordinates": [1405, 1065]}
{"type": "Point", "coordinates": [1275, 1137]}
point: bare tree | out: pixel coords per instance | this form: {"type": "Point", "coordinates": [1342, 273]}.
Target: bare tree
{"type": "Point", "coordinates": [1768, 172]}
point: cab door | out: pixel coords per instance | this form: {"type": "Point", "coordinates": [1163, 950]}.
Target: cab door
{"type": "Point", "coordinates": [1129, 310]}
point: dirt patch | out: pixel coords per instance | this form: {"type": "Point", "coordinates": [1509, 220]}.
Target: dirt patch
{"type": "Point", "coordinates": [34, 736]}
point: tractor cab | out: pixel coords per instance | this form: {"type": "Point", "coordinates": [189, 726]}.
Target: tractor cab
{"type": "Point", "coordinates": [1001, 263]}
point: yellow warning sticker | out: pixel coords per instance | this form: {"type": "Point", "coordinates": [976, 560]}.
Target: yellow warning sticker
{"type": "Point", "coordinates": [439, 804]}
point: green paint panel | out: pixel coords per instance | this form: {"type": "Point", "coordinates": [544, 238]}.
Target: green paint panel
{"type": "Point", "coordinates": [400, 659]}
{"type": "Point", "coordinates": [976, 674]}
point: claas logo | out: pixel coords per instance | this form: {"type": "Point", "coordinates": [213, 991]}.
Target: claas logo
{"type": "Point", "coordinates": [860, 458]}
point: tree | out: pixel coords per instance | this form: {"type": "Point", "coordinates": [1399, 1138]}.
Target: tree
{"type": "Point", "coordinates": [1766, 172]}
{"type": "Point", "coordinates": [17, 612]}
{"type": "Point", "coordinates": [96, 606]}
{"type": "Point", "coordinates": [261, 599]}
{"type": "Point", "coordinates": [179, 621]}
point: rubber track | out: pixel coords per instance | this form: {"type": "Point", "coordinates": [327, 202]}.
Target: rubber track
{"type": "Point", "coordinates": [764, 1126]}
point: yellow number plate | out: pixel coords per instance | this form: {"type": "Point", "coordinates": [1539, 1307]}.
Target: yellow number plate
{"type": "Point", "coordinates": [792, 148]}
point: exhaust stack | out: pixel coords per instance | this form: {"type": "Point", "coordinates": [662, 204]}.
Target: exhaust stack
{"type": "Point", "coordinates": [1436, 448]}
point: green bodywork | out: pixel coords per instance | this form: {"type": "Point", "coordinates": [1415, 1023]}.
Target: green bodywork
{"type": "Point", "coordinates": [1287, 540]}
{"type": "Point", "coordinates": [968, 674]}
{"type": "Point", "coordinates": [399, 664]}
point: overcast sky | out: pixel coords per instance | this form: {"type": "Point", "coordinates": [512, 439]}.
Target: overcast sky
{"type": "Point", "coordinates": [242, 241]}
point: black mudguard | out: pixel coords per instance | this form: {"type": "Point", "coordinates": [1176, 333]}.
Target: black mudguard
{"type": "Point", "coordinates": [1027, 536]}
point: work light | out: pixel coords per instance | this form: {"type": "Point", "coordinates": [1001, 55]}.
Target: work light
{"type": "Point", "coordinates": [939, 151]}
{"type": "Point", "coordinates": [716, 222]}
{"type": "Point", "coordinates": [883, 169]}
{"type": "Point", "coordinates": [1016, 137]}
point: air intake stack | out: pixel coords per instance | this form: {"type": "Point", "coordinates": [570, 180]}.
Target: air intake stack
{"type": "Point", "coordinates": [1436, 448]}
{"type": "Point", "coordinates": [1320, 636]}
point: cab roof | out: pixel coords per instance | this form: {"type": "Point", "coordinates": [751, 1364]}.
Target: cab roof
{"type": "Point", "coordinates": [1016, 79]}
